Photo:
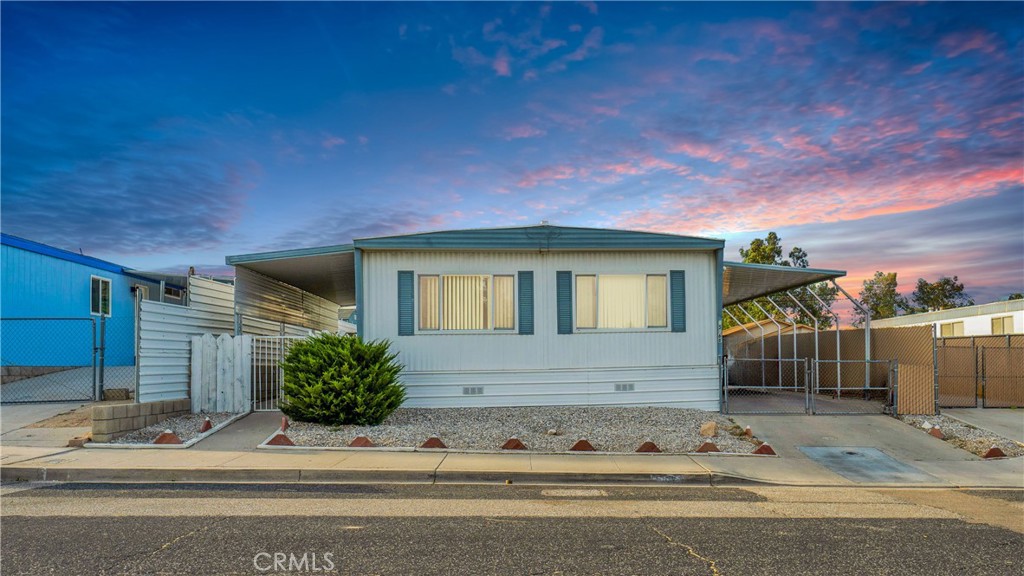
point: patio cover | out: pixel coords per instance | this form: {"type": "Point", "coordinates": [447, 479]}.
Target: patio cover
{"type": "Point", "coordinates": [742, 282]}
{"type": "Point", "coordinates": [329, 272]}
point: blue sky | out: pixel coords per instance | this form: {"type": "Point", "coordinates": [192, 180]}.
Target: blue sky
{"type": "Point", "coordinates": [876, 136]}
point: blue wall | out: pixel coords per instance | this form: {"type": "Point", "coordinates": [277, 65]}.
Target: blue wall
{"type": "Point", "coordinates": [42, 286]}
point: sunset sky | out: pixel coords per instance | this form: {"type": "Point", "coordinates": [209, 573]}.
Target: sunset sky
{"type": "Point", "coordinates": [875, 136]}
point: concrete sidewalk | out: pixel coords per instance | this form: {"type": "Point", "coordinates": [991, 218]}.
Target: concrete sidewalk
{"type": "Point", "coordinates": [1005, 422]}
{"type": "Point", "coordinates": [156, 465]}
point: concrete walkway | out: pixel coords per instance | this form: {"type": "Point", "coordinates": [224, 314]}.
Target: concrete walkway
{"type": "Point", "coordinates": [1005, 422]}
{"type": "Point", "coordinates": [163, 465]}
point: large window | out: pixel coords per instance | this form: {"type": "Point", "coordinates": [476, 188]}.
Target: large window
{"type": "Point", "coordinates": [99, 296]}
{"type": "Point", "coordinates": [951, 329]}
{"type": "Point", "coordinates": [621, 301]}
{"type": "Point", "coordinates": [466, 302]}
{"type": "Point", "coordinates": [1002, 325]}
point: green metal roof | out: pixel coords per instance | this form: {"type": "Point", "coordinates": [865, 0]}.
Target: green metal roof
{"type": "Point", "coordinates": [540, 237]}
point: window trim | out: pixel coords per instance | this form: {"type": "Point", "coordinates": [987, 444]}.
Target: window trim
{"type": "Point", "coordinates": [440, 330]}
{"type": "Point", "coordinates": [597, 295]}
{"type": "Point", "coordinates": [110, 296]}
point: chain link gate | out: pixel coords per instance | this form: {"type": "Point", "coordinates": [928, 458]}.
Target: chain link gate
{"type": "Point", "coordinates": [808, 386]}
{"type": "Point", "coordinates": [1002, 377]}
{"type": "Point", "coordinates": [766, 386]}
{"type": "Point", "coordinates": [49, 360]}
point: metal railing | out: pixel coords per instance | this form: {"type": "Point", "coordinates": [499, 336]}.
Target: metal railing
{"type": "Point", "coordinates": [267, 374]}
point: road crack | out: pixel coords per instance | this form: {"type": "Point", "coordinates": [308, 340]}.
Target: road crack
{"type": "Point", "coordinates": [712, 564]}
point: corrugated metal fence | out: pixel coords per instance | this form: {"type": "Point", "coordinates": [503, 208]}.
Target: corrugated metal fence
{"type": "Point", "coordinates": [166, 331]}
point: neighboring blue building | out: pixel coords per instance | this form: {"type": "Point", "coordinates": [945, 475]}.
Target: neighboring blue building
{"type": "Point", "coordinates": [38, 281]}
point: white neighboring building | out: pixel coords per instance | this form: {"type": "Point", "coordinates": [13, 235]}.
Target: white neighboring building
{"type": "Point", "coordinates": [993, 319]}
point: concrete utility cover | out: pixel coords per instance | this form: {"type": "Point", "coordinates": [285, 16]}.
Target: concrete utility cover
{"type": "Point", "coordinates": [864, 464]}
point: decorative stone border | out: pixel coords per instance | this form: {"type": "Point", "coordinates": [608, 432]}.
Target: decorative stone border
{"type": "Point", "coordinates": [189, 444]}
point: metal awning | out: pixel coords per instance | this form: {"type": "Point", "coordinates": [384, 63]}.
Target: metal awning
{"type": "Point", "coordinates": [328, 271]}
{"type": "Point", "coordinates": [742, 282]}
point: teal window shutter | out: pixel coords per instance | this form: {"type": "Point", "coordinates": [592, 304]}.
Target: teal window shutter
{"type": "Point", "coordinates": [563, 288]}
{"type": "Point", "coordinates": [677, 297]}
{"type": "Point", "coordinates": [406, 303]}
{"type": "Point", "coordinates": [526, 302]}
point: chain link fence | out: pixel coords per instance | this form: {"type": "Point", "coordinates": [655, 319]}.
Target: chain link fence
{"type": "Point", "coordinates": [980, 370]}
{"type": "Point", "coordinates": [48, 359]}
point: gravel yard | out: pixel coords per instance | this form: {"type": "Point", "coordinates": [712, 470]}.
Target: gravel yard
{"type": "Point", "coordinates": [607, 429]}
{"type": "Point", "coordinates": [185, 426]}
{"type": "Point", "coordinates": [965, 436]}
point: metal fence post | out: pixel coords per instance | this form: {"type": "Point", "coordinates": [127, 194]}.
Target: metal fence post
{"type": "Point", "coordinates": [935, 369]}
{"type": "Point", "coordinates": [95, 373]}
{"type": "Point", "coordinates": [103, 353]}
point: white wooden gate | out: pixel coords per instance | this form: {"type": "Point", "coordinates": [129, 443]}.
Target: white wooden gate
{"type": "Point", "coordinates": [267, 375]}
{"type": "Point", "coordinates": [221, 373]}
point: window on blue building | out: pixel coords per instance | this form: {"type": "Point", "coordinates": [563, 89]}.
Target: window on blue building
{"type": "Point", "coordinates": [100, 296]}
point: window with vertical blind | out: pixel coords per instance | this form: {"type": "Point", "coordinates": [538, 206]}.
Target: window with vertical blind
{"type": "Point", "coordinates": [621, 301]}
{"type": "Point", "coordinates": [454, 302]}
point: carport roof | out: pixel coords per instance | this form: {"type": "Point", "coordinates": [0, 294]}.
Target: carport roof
{"type": "Point", "coordinates": [329, 271]}
{"type": "Point", "coordinates": [742, 281]}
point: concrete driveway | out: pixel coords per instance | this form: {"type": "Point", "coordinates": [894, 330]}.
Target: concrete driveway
{"type": "Point", "coordinates": [1006, 422]}
{"type": "Point", "coordinates": [15, 420]}
{"type": "Point", "coordinates": [901, 441]}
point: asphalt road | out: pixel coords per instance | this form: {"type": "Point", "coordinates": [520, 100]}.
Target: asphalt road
{"type": "Point", "coordinates": [232, 529]}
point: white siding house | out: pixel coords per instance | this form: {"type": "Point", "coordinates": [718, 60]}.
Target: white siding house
{"type": "Point", "coordinates": [534, 315]}
{"type": "Point", "coordinates": [502, 367]}
{"type": "Point", "coordinates": [993, 319]}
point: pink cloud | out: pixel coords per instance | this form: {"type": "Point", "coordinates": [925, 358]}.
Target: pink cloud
{"type": "Point", "coordinates": [330, 142]}
{"type": "Point", "coordinates": [915, 70]}
{"type": "Point", "coordinates": [363, 140]}
{"type": "Point", "coordinates": [575, 28]}
{"type": "Point", "coordinates": [590, 5]}
{"type": "Point", "coordinates": [521, 131]}
{"type": "Point", "coordinates": [547, 174]}
{"type": "Point", "coordinates": [959, 43]}
{"type": "Point", "coordinates": [951, 134]}
{"type": "Point", "coordinates": [715, 56]}
{"type": "Point", "coordinates": [502, 64]}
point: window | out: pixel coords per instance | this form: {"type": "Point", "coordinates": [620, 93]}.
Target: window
{"type": "Point", "coordinates": [951, 329]}
{"type": "Point", "coordinates": [99, 296]}
{"type": "Point", "coordinates": [1002, 325]}
{"type": "Point", "coordinates": [621, 301]}
{"type": "Point", "coordinates": [466, 302]}
{"type": "Point", "coordinates": [142, 289]}
{"type": "Point", "coordinates": [172, 292]}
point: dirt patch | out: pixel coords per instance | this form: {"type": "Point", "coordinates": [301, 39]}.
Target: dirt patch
{"type": "Point", "coordinates": [77, 418]}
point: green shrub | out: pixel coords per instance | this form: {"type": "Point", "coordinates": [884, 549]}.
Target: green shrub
{"type": "Point", "coordinates": [334, 380]}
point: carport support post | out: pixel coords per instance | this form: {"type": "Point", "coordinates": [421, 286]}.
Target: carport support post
{"type": "Point", "coordinates": [839, 358]}
{"type": "Point", "coordinates": [796, 375]}
{"type": "Point", "coordinates": [867, 333]}
{"type": "Point", "coordinates": [817, 366]}
{"type": "Point", "coordinates": [778, 338]}
{"type": "Point", "coordinates": [760, 327]}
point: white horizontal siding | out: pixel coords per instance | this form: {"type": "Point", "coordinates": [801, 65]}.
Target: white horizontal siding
{"type": "Point", "coordinates": [684, 387]}
{"type": "Point", "coordinates": [529, 364]}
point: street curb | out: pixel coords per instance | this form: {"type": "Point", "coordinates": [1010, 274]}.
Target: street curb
{"type": "Point", "coordinates": [14, 473]}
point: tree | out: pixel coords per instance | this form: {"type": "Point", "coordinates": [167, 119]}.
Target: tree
{"type": "Point", "coordinates": [1016, 296]}
{"type": "Point", "coordinates": [769, 250]}
{"type": "Point", "coordinates": [943, 294]}
{"type": "Point", "coordinates": [882, 299]}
